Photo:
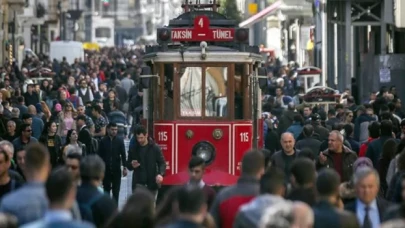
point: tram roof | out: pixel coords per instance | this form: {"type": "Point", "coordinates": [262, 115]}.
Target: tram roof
{"type": "Point", "coordinates": [193, 54]}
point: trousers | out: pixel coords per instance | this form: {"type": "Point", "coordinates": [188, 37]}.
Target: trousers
{"type": "Point", "coordinates": [112, 183]}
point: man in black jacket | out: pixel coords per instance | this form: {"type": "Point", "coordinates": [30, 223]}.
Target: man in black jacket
{"type": "Point", "coordinates": [112, 151]}
{"type": "Point", "coordinates": [84, 135]}
{"type": "Point", "coordinates": [143, 157]}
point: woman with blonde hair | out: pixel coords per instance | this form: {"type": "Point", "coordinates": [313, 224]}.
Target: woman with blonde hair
{"type": "Point", "coordinates": [66, 120]}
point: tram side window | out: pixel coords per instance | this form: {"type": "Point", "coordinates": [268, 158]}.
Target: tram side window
{"type": "Point", "coordinates": [168, 92]}
{"type": "Point", "coordinates": [239, 72]}
{"type": "Point", "coordinates": [216, 100]}
{"type": "Point", "coordinates": [190, 91]}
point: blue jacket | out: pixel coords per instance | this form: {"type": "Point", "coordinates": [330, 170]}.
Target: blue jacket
{"type": "Point", "coordinates": [295, 129]}
{"type": "Point", "coordinates": [361, 127]}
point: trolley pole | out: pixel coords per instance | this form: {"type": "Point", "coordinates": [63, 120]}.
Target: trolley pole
{"type": "Point", "coordinates": [13, 33]}
{"type": "Point", "coordinates": [5, 28]}
{"type": "Point", "coordinates": [324, 17]}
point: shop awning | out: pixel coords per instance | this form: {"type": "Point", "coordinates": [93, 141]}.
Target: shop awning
{"type": "Point", "coordinates": [259, 16]}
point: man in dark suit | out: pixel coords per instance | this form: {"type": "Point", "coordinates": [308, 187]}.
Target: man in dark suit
{"type": "Point", "coordinates": [369, 209]}
{"type": "Point", "coordinates": [326, 211]}
{"type": "Point", "coordinates": [84, 134]}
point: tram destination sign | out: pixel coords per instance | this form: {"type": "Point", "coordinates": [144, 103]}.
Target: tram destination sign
{"type": "Point", "coordinates": [202, 32]}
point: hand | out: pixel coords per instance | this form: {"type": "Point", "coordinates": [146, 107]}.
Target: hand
{"type": "Point", "coordinates": [124, 172]}
{"type": "Point", "coordinates": [322, 158]}
{"type": "Point", "coordinates": [159, 179]}
{"type": "Point", "coordinates": [135, 164]}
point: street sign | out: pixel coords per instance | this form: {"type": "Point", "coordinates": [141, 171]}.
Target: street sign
{"type": "Point", "coordinates": [252, 8]}
{"type": "Point", "coordinates": [202, 32]}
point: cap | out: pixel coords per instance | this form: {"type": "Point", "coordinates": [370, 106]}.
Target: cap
{"type": "Point", "coordinates": [362, 162]}
{"type": "Point", "coordinates": [315, 117]}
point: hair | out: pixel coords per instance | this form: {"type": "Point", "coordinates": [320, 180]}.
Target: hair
{"type": "Point", "coordinates": [196, 161]}
{"type": "Point", "coordinates": [96, 108]}
{"type": "Point", "coordinates": [164, 212]}
{"type": "Point", "coordinates": [327, 182]}
{"type": "Point", "coordinates": [364, 172]}
{"type": "Point", "coordinates": [45, 131]}
{"type": "Point", "coordinates": [81, 117]}
{"type": "Point", "coordinates": [36, 157]}
{"type": "Point", "coordinates": [386, 128]}
{"type": "Point", "coordinates": [307, 153]}
{"type": "Point", "coordinates": [252, 162]}
{"type": "Point", "coordinates": [389, 149]}
{"type": "Point", "coordinates": [8, 221]}
{"type": "Point", "coordinates": [332, 112]}
{"type": "Point", "coordinates": [272, 181]}
{"type": "Point", "coordinates": [23, 127]}
{"type": "Point", "coordinates": [349, 129]}
{"type": "Point", "coordinates": [338, 134]}
{"type": "Point", "coordinates": [76, 156]}
{"type": "Point", "coordinates": [92, 167]}
{"type": "Point", "coordinates": [140, 130]}
{"type": "Point", "coordinates": [374, 129]}
{"type": "Point", "coordinates": [190, 199]}
{"type": "Point", "coordinates": [137, 212]}
{"type": "Point", "coordinates": [401, 161]}
{"type": "Point", "coordinates": [303, 170]}
{"type": "Point", "coordinates": [338, 126]}
{"type": "Point", "coordinates": [112, 124]}
{"type": "Point", "coordinates": [68, 135]}
{"type": "Point", "coordinates": [308, 130]}
{"type": "Point", "coordinates": [60, 182]}
{"type": "Point", "coordinates": [7, 144]}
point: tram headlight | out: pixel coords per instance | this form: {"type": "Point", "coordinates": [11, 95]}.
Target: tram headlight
{"type": "Point", "coordinates": [204, 150]}
{"type": "Point", "coordinates": [164, 34]}
{"type": "Point", "coordinates": [242, 35]}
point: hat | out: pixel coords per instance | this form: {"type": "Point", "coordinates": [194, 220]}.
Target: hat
{"type": "Point", "coordinates": [362, 162]}
{"type": "Point", "coordinates": [58, 107]}
{"type": "Point", "coordinates": [315, 117]}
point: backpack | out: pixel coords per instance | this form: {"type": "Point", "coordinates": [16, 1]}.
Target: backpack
{"type": "Point", "coordinates": [85, 208]}
{"type": "Point", "coordinates": [94, 145]}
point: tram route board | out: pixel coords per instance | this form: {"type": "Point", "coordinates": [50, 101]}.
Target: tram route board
{"type": "Point", "coordinates": [202, 32]}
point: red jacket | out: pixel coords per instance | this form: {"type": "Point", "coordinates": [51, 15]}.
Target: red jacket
{"type": "Point", "coordinates": [228, 201]}
{"type": "Point", "coordinates": [363, 147]}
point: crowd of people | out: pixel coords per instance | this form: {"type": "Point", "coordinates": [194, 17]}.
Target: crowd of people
{"type": "Point", "coordinates": [63, 154]}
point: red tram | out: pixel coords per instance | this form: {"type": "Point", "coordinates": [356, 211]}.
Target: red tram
{"type": "Point", "coordinates": [202, 94]}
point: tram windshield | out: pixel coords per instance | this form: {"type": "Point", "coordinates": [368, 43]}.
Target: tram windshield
{"type": "Point", "coordinates": [209, 98]}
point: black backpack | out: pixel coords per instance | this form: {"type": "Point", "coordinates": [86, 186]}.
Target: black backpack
{"type": "Point", "coordinates": [85, 208]}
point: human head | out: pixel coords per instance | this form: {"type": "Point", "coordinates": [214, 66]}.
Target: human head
{"type": "Point", "coordinates": [5, 163]}
{"type": "Point", "coordinates": [303, 172]}
{"type": "Point", "coordinates": [272, 182]}
{"type": "Point", "coordinates": [20, 156]}
{"type": "Point", "coordinates": [61, 189]}
{"type": "Point", "coordinates": [386, 128]}
{"type": "Point", "coordinates": [37, 164]}
{"type": "Point", "coordinates": [8, 148]}
{"type": "Point", "coordinates": [80, 121]}
{"type": "Point", "coordinates": [307, 111]}
{"type": "Point", "coordinates": [287, 142]}
{"type": "Point", "coordinates": [141, 135]}
{"type": "Point", "coordinates": [335, 141]}
{"type": "Point", "coordinates": [327, 184]}
{"type": "Point", "coordinates": [27, 118]}
{"type": "Point", "coordinates": [308, 130]}
{"type": "Point", "coordinates": [374, 129]}
{"type": "Point", "coordinates": [112, 129]}
{"type": "Point", "coordinates": [196, 168]}
{"type": "Point", "coordinates": [192, 201]}
{"type": "Point", "coordinates": [253, 164]}
{"type": "Point", "coordinates": [92, 169]}
{"type": "Point", "coordinates": [367, 183]}
{"type": "Point", "coordinates": [73, 163]}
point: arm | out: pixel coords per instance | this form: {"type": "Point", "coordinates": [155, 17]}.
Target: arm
{"type": "Point", "coordinates": [160, 160]}
{"type": "Point", "coordinates": [214, 211]}
{"type": "Point", "coordinates": [122, 153]}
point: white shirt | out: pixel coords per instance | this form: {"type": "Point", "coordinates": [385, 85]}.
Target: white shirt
{"type": "Point", "coordinates": [373, 213]}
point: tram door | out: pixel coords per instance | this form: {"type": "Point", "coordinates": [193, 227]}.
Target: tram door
{"type": "Point", "coordinates": [148, 88]}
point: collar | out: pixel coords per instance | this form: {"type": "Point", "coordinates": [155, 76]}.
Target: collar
{"type": "Point", "coordinates": [82, 127]}
{"type": "Point", "coordinates": [57, 215]}
{"type": "Point", "coordinates": [372, 205]}
{"type": "Point", "coordinates": [200, 184]}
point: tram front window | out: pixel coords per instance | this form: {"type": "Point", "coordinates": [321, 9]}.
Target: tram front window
{"type": "Point", "coordinates": [216, 91]}
{"type": "Point", "coordinates": [191, 91]}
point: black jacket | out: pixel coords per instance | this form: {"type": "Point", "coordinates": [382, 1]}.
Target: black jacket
{"type": "Point", "coordinates": [55, 157]}
{"type": "Point", "coordinates": [112, 151]}
{"type": "Point", "coordinates": [155, 164]}
{"type": "Point", "coordinates": [326, 215]}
